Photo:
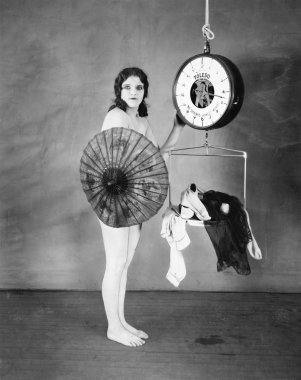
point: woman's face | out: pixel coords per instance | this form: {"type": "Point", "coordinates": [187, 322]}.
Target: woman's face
{"type": "Point", "coordinates": [132, 91]}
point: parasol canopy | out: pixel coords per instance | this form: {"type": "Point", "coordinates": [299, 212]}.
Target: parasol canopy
{"type": "Point", "coordinates": [124, 177]}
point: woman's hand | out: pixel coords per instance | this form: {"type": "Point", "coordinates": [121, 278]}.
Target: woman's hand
{"type": "Point", "coordinates": [165, 156]}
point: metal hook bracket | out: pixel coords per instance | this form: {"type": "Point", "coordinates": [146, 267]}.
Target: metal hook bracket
{"type": "Point", "coordinates": [207, 46]}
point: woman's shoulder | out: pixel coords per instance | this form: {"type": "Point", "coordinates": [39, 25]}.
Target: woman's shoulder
{"type": "Point", "coordinates": [115, 118]}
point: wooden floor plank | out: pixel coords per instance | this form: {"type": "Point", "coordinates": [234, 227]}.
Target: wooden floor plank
{"type": "Point", "coordinates": [193, 335]}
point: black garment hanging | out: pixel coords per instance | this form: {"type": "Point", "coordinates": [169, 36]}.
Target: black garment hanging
{"type": "Point", "coordinates": [229, 233]}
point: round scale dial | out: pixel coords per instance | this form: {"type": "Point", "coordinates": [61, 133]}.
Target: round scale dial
{"type": "Point", "coordinates": [208, 91]}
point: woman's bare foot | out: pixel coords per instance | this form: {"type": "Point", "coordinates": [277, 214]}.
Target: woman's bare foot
{"type": "Point", "coordinates": [123, 336]}
{"type": "Point", "coordinates": [139, 333]}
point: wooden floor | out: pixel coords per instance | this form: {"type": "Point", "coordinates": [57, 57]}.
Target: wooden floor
{"type": "Point", "coordinates": [198, 336]}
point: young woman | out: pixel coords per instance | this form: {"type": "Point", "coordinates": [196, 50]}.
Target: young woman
{"type": "Point", "coordinates": [128, 111]}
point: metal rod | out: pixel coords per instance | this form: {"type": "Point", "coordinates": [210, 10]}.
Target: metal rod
{"type": "Point", "coordinates": [169, 178]}
{"type": "Point", "coordinates": [245, 181]}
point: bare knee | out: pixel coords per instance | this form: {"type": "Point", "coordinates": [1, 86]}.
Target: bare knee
{"type": "Point", "coordinates": [116, 266]}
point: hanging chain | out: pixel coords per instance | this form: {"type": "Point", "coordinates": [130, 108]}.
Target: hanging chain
{"type": "Point", "coordinates": [207, 32]}
{"type": "Point", "coordinates": [206, 143]}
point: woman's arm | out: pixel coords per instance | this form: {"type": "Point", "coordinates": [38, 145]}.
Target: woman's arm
{"type": "Point", "coordinates": [172, 138]}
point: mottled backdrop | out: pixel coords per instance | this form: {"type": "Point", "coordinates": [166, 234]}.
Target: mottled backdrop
{"type": "Point", "coordinates": [58, 62]}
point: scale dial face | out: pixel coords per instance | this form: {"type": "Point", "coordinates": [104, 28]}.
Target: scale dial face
{"type": "Point", "coordinates": [204, 91]}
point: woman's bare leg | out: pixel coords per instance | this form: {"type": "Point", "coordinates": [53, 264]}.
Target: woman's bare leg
{"type": "Point", "coordinates": [116, 243]}
{"type": "Point", "coordinates": [134, 235]}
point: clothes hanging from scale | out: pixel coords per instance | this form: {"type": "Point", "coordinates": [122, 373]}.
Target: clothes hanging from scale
{"type": "Point", "coordinates": [227, 226]}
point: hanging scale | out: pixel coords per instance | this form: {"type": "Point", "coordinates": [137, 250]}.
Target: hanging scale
{"type": "Point", "coordinates": [208, 89]}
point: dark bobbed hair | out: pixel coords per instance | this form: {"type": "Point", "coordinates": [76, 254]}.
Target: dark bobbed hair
{"type": "Point", "coordinates": [123, 76]}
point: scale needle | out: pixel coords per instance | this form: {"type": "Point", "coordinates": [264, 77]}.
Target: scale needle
{"type": "Point", "coordinates": [220, 96]}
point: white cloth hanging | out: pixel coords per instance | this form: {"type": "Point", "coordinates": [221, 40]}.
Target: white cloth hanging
{"type": "Point", "coordinates": [174, 231]}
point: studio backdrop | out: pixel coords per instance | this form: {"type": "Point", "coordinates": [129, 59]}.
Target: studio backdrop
{"type": "Point", "coordinates": [58, 63]}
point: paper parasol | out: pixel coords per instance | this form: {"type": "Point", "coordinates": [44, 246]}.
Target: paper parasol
{"type": "Point", "coordinates": [124, 177]}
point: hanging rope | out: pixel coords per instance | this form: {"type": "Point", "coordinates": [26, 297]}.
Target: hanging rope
{"type": "Point", "coordinates": [207, 32]}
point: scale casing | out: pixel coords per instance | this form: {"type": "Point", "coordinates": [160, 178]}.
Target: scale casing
{"type": "Point", "coordinates": [208, 91]}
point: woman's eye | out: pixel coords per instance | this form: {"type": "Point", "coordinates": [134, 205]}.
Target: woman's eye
{"type": "Point", "coordinates": [128, 87]}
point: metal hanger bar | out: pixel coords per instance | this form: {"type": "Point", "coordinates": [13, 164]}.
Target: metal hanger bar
{"type": "Point", "coordinates": [243, 155]}
{"type": "Point", "coordinates": [207, 146]}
